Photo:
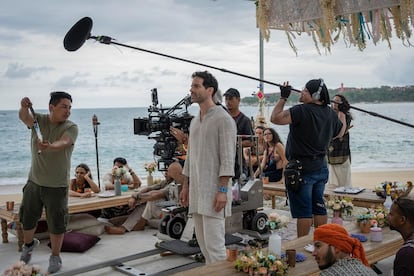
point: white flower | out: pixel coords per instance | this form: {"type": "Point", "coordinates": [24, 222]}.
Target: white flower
{"type": "Point", "coordinates": [118, 171]}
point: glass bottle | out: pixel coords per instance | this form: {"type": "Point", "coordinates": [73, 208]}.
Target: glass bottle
{"type": "Point", "coordinates": [388, 200]}
{"type": "Point", "coordinates": [117, 186]}
{"type": "Point", "coordinates": [275, 244]}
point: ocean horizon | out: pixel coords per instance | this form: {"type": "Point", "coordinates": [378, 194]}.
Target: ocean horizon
{"type": "Point", "coordinates": [376, 143]}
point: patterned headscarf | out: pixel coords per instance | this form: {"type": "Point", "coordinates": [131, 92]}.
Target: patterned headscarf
{"type": "Point", "coordinates": [337, 236]}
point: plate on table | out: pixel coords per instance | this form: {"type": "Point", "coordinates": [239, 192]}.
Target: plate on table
{"type": "Point", "coordinates": [106, 194]}
{"type": "Point", "coordinates": [348, 190]}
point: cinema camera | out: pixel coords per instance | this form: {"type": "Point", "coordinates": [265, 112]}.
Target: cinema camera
{"type": "Point", "coordinates": [157, 126]}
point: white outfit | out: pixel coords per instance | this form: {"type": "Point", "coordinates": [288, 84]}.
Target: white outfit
{"type": "Point", "coordinates": [211, 151]}
{"type": "Point", "coordinates": [149, 210]}
{"type": "Point", "coordinates": [340, 174]}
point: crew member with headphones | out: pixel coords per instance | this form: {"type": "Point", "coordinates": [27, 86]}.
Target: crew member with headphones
{"type": "Point", "coordinates": [312, 125]}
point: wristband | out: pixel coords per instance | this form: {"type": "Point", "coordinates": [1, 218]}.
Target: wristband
{"type": "Point", "coordinates": [282, 98]}
{"type": "Point", "coordinates": [223, 189]}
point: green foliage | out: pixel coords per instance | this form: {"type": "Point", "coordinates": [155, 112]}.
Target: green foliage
{"type": "Point", "coordinates": [354, 95]}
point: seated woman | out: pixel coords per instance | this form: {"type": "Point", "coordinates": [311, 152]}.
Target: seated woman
{"type": "Point", "coordinates": [82, 185]}
{"type": "Point", "coordinates": [274, 158]}
{"type": "Point", "coordinates": [250, 153]}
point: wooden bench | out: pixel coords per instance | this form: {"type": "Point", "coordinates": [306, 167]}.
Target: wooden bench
{"type": "Point", "coordinates": [366, 198]}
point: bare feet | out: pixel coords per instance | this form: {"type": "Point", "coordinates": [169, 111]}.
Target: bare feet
{"type": "Point", "coordinates": [112, 230]}
{"type": "Point", "coordinates": [140, 225]}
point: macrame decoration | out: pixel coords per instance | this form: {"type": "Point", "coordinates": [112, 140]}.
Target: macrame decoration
{"type": "Point", "coordinates": [327, 21]}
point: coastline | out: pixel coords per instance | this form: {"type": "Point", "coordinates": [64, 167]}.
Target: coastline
{"type": "Point", "coordinates": [360, 178]}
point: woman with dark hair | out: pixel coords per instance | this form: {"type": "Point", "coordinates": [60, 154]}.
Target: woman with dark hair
{"type": "Point", "coordinates": [249, 154]}
{"type": "Point", "coordinates": [339, 153]}
{"type": "Point", "coordinates": [83, 180]}
{"type": "Point", "coordinates": [274, 158]}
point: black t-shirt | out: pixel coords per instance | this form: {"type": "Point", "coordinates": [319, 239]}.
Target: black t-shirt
{"type": "Point", "coordinates": [403, 262]}
{"type": "Point", "coordinates": [244, 127]}
{"type": "Point", "coordinates": [313, 127]}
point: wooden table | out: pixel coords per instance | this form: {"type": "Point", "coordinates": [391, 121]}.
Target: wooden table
{"type": "Point", "coordinates": [375, 251]}
{"type": "Point", "coordinates": [75, 205]}
{"type": "Point", "coordinates": [366, 198]}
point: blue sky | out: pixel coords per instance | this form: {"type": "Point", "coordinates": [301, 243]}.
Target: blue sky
{"type": "Point", "coordinates": [220, 33]}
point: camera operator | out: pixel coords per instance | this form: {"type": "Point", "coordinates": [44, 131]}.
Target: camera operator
{"type": "Point", "coordinates": [182, 139]}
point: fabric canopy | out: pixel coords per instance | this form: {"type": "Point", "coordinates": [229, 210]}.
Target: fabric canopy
{"type": "Point", "coordinates": [327, 21]}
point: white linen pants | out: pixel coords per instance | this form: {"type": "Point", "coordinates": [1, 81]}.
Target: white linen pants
{"type": "Point", "coordinates": [340, 174]}
{"type": "Point", "coordinates": [210, 233]}
{"type": "Point", "coordinates": [148, 211]}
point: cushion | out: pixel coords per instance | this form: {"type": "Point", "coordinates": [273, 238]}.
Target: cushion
{"type": "Point", "coordinates": [80, 221]}
{"type": "Point", "coordinates": [77, 242]}
{"type": "Point", "coordinates": [95, 230]}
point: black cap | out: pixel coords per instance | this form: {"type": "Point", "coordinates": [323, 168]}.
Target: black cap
{"type": "Point", "coordinates": [232, 92]}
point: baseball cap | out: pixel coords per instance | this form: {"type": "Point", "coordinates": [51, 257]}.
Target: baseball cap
{"type": "Point", "coordinates": [232, 92]}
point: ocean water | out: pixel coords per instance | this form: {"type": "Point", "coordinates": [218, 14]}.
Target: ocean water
{"type": "Point", "coordinates": [376, 143]}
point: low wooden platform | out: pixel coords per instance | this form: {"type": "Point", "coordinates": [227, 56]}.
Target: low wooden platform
{"type": "Point", "coordinates": [366, 198]}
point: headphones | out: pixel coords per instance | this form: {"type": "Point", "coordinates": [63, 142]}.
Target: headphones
{"type": "Point", "coordinates": [317, 95]}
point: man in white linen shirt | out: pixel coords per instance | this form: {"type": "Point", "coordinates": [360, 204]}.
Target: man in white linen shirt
{"type": "Point", "coordinates": [209, 167]}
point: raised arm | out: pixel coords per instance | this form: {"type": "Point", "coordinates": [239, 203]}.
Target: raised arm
{"type": "Point", "coordinates": [24, 115]}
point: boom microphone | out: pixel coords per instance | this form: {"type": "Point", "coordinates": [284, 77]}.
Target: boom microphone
{"type": "Point", "coordinates": [81, 31]}
{"type": "Point", "coordinates": [78, 34]}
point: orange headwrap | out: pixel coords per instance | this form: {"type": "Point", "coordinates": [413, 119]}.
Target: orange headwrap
{"type": "Point", "coordinates": [337, 236]}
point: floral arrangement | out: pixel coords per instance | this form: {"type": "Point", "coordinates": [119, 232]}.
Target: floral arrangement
{"type": "Point", "coordinates": [150, 167]}
{"type": "Point", "coordinates": [374, 216]}
{"type": "Point", "coordinates": [118, 172]}
{"type": "Point", "coordinates": [276, 221]}
{"type": "Point", "coordinates": [256, 262]}
{"type": "Point", "coordinates": [21, 268]}
{"type": "Point", "coordinates": [343, 205]}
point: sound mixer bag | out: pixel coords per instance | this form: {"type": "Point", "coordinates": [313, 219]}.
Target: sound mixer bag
{"type": "Point", "coordinates": [293, 176]}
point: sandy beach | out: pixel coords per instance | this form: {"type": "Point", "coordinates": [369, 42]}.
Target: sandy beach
{"type": "Point", "coordinates": [360, 178]}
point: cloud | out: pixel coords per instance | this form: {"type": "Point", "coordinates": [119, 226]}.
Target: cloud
{"type": "Point", "coordinates": [221, 34]}
{"type": "Point", "coordinates": [19, 71]}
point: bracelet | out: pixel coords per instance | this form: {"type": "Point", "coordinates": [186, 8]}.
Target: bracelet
{"type": "Point", "coordinates": [283, 98]}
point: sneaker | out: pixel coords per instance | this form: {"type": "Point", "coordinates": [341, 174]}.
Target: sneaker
{"type": "Point", "coordinates": [27, 251]}
{"type": "Point", "coordinates": [55, 263]}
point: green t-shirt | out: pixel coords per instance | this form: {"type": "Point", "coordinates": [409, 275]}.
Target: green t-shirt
{"type": "Point", "coordinates": [52, 168]}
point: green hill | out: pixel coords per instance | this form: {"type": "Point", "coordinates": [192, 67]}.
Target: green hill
{"type": "Point", "coordinates": [354, 95]}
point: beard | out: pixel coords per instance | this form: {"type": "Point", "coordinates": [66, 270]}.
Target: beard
{"type": "Point", "coordinates": [329, 259]}
{"type": "Point", "coordinates": [393, 228]}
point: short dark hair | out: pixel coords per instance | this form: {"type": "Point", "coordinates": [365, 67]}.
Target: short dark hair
{"type": "Point", "coordinates": [208, 80]}
{"type": "Point", "coordinates": [120, 160]}
{"type": "Point", "coordinates": [56, 96]}
{"type": "Point", "coordinates": [406, 207]}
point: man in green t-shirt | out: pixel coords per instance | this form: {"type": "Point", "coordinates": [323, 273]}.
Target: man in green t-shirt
{"type": "Point", "coordinates": [47, 184]}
